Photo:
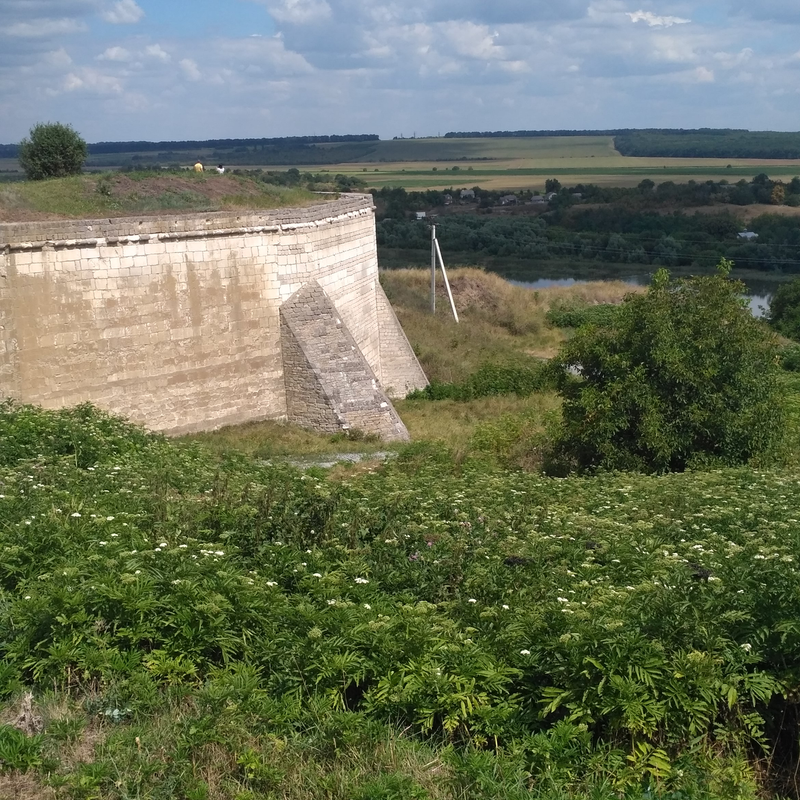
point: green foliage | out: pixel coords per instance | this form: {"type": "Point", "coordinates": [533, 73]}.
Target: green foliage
{"type": "Point", "coordinates": [18, 751]}
{"type": "Point", "coordinates": [234, 627]}
{"type": "Point", "coordinates": [390, 787]}
{"type": "Point", "coordinates": [572, 316]}
{"type": "Point", "coordinates": [491, 380]}
{"type": "Point", "coordinates": [784, 310]}
{"type": "Point", "coordinates": [790, 358]}
{"type": "Point", "coordinates": [685, 375]}
{"type": "Point", "coordinates": [52, 150]}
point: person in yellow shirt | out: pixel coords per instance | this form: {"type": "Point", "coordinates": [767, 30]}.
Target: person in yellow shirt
{"type": "Point", "coordinates": [198, 167]}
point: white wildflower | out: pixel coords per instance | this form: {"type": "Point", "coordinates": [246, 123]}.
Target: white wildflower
{"type": "Point", "coordinates": [367, 606]}
{"type": "Point", "coordinates": [316, 574]}
{"type": "Point", "coordinates": [361, 580]}
{"type": "Point", "coordinates": [524, 652]}
{"type": "Point", "coordinates": [472, 600]}
{"type": "Point", "coordinates": [74, 514]}
{"type": "Point", "coordinates": [272, 583]}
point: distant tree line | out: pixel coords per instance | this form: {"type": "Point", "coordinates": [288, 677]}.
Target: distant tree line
{"type": "Point", "coordinates": [672, 143]}
{"type": "Point", "coordinates": [619, 232]}
{"type": "Point", "coordinates": [708, 144]}
{"type": "Point", "coordinates": [184, 145]}
{"type": "Point", "coordinates": [530, 134]}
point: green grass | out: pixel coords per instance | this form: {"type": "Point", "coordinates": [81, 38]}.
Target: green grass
{"type": "Point", "coordinates": [114, 195]}
{"type": "Point", "coordinates": [212, 628]}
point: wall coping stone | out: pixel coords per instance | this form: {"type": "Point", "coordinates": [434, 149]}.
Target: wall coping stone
{"type": "Point", "coordinates": [62, 234]}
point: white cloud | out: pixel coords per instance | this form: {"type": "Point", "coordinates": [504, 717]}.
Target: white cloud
{"type": "Point", "coordinates": [300, 12]}
{"type": "Point", "coordinates": [731, 60]}
{"type": "Point", "coordinates": [655, 21]}
{"type": "Point", "coordinates": [44, 28]}
{"type": "Point", "coordinates": [190, 69]}
{"type": "Point", "coordinates": [701, 75]}
{"type": "Point", "coordinates": [158, 52]}
{"type": "Point", "coordinates": [114, 54]}
{"type": "Point", "coordinates": [473, 41]}
{"type": "Point", "coordinates": [93, 81]}
{"type": "Point", "coordinates": [60, 59]}
{"type": "Point", "coordinates": [123, 12]}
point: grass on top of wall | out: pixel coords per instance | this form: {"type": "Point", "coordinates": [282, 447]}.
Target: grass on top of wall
{"type": "Point", "coordinates": [123, 194]}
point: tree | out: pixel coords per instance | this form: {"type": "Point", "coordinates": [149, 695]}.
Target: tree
{"type": "Point", "coordinates": [52, 150]}
{"type": "Point", "coordinates": [552, 185]}
{"type": "Point", "coordinates": [784, 310]}
{"type": "Point", "coordinates": [684, 375]}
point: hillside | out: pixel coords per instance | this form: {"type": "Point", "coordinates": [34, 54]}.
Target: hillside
{"type": "Point", "coordinates": [439, 629]}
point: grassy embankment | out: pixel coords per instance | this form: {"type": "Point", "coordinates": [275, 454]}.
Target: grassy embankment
{"type": "Point", "coordinates": [118, 195]}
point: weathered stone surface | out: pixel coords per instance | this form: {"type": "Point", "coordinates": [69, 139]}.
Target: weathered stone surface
{"type": "Point", "coordinates": [174, 321]}
{"type": "Point", "coordinates": [329, 384]}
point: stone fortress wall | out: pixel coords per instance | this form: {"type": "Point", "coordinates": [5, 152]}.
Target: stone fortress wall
{"type": "Point", "coordinates": [176, 322]}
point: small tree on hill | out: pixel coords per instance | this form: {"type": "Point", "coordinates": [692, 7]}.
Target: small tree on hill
{"type": "Point", "coordinates": [683, 375]}
{"type": "Point", "coordinates": [52, 150]}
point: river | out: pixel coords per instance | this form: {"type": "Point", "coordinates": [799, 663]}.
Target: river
{"type": "Point", "coordinates": [759, 291]}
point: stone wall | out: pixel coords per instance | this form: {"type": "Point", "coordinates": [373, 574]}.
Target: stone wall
{"type": "Point", "coordinates": [174, 321]}
{"type": "Point", "coordinates": [329, 384]}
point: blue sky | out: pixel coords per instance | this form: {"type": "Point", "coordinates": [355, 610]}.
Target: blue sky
{"type": "Point", "coordinates": [143, 69]}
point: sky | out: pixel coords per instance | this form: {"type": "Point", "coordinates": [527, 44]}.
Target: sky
{"type": "Point", "coordinates": [172, 69]}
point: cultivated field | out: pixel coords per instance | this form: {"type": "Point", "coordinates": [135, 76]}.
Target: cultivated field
{"type": "Point", "coordinates": [526, 163]}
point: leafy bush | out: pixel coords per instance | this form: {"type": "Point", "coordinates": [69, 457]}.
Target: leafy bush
{"type": "Point", "coordinates": [563, 316]}
{"type": "Point", "coordinates": [82, 433]}
{"type": "Point", "coordinates": [784, 310]}
{"type": "Point", "coordinates": [790, 358]}
{"type": "Point", "coordinates": [685, 375]}
{"type": "Point", "coordinates": [52, 150]}
{"type": "Point", "coordinates": [491, 380]}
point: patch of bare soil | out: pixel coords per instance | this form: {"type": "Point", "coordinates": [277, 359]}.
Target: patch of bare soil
{"type": "Point", "coordinates": [19, 786]}
{"type": "Point", "coordinates": [472, 292]}
{"type": "Point", "coordinates": [751, 212]}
